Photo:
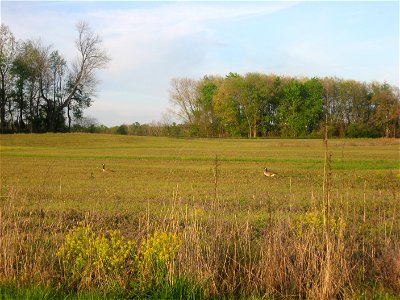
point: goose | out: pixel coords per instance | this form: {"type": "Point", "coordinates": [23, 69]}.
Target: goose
{"type": "Point", "coordinates": [269, 173]}
{"type": "Point", "coordinates": [104, 169]}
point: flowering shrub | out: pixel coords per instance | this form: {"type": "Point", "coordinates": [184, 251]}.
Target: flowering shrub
{"type": "Point", "coordinates": [315, 220]}
{"type": "Point", "coordinates": [89, 259]}
{"type": "Point", "coordinates": [160, 247]}
{"type": "Point", "coordinates": [157, 254]}
{"type": "Point", "coordinates": [95, 260]}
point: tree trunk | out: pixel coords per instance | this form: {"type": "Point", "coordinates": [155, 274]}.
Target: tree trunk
{"type": "Point", "coordinates": [10, 111]}
{"type": "Point", "coordinates": [38, 116]}
{"type": "Point", "coordinates": [51, 126]}
{"type": "Point", "coordinates": [51, 119]}
{"type": "Point", "coordinates": [31, 114]}
{"type": "Point", "coordinates": [250, 129]}
{"type": "Point", "coordinates": [387, 130]}
{"type": "Point", "coordinates": [21, 123]}
{"type": "Point", "coordinates": [69, 119]}
{"type": "Point", "coordinates": [3, 117]}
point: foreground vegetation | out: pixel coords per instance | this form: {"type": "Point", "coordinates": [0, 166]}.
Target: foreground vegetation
{"type": "Point", "coordinates": [196, 219]}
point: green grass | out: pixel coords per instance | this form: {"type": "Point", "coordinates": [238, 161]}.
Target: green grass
{"type": "Point", "coordinates": [55, 172]}
{"type": "Point", "coordinates": [66, 169]}
{"type": "Point", "coordinates": [50, 182]}
{"type": "Point", "coordinates": [10, 291]}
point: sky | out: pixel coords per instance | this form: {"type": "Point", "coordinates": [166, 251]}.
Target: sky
{"type": "Point", "coordinates": [151, 42]}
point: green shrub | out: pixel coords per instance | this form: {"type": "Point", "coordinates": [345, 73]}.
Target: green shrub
{"type": "Point", "coordinates": [363, 131]}
{"type": "Point", "coordinates": [123, 129]}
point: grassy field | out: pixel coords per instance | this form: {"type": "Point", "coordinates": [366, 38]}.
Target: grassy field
{"type": "Point", "coordinates": [240, 234]}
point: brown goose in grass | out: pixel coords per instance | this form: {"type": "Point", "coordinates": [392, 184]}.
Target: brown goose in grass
{"type": "Point", "coordinates": [269, 173]}
{"type": "Point", "coordinates": [108, 170]}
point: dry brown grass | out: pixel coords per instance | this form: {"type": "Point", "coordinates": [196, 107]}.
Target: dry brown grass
{"type": "Point", "coordinates": [228, 258]}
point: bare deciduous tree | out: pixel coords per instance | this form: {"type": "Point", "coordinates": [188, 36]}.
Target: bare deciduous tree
{"type": "Point", "coordinates": [184, 97]}
{"type": "Point", "coordinates": [81, 80]}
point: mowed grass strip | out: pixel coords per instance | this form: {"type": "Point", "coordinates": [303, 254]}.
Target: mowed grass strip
{"type": "Point", "coordinates": [304, 154]}
{"type": "Point", "coordinates": [300, 163]}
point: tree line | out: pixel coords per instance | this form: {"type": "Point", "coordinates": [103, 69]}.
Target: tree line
{"type": "Point", "coordinates": [268, 105]}
{"type": "Point", "coordinates": [260, 105]}
{"type": "Point", "coordinates": [159, 128]}
{"type": "Point", "coordinates": [39, 90]}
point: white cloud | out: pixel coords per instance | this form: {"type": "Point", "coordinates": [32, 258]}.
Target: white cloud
{"type": "Point", "coordinates": [141, 37]}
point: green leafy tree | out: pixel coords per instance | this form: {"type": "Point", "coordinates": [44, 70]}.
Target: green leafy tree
{"type": "Point", "coordinates": [256, 95]}
{"type": "Point", "coordinates": [207, 88]}
{"type": "Point", "coordinates": [123, 129]}
{"type": "Point", "coordinates": [385, 102]}
{"type": "Point", "coordinates": [300, 109]}
{"type": "Point", "coordinates": [268, 107]}
{"type": "Point", "coordinates": [330, 96]}
{"type": "Point", "coordinates": [27, 69]}
{"type": "Point", "coordinates": [228, 105]}
{"type": "Point", "coordinates": [289, 108]}
{"type": "Point", "coordinates": [259, 102]}
{"type": "Point", "coordinates": [313, 104]}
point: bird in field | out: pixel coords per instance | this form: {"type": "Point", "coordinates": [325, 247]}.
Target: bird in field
{"type": "Point", "coordinates": [269, 173]}
{"type": "Point", "coordinates": [104, 168]}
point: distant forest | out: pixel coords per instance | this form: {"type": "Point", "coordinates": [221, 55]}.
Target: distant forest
{"type": "Point", "coordinates": [260, 105]}
{"type": "Point", "coordinates": [40, 92]}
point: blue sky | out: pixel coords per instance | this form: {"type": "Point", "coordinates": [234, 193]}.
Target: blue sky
{"type": "Point", "coordinates": [152, 42]}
